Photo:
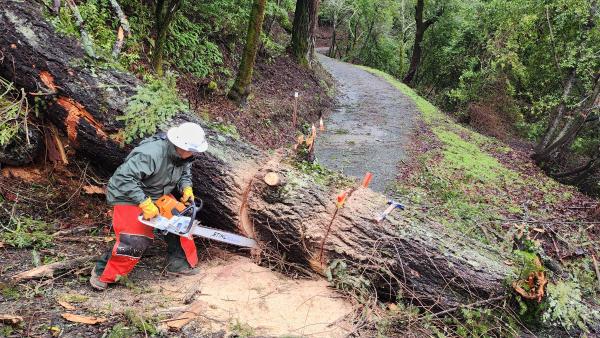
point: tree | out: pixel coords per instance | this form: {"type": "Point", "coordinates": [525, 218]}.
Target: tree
{"type": "Point", "coordinates": [164, 12]}
{"type": "Point", "coordinates": [421, 27]}
{"type": "Point", "coordinates": [565, 124]}
{"type": "Point", "coordinates": [241, 87]}
{"type": "Point", "coordinates": [337, 11]}
{"type": "Point", "coordinates": [303, 31]}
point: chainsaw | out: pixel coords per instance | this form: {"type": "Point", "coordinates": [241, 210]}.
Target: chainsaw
{"type": "Point", "coordinates": [177, 218]}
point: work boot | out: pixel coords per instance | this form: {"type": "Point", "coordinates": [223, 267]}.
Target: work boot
{"type": "Point", "coordinates": [95, 281]}
{"type": "Point", "coordinates": [180, 266]}
{"type": "Point", "coordinates": [177, 262]}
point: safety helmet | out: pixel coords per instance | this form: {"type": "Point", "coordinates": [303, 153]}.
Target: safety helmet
{"type": "Point", "coordinates": [188, 136]}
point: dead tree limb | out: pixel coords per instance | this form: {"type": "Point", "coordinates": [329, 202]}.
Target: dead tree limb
{"type": "Point", "coordinates": [123, 31]}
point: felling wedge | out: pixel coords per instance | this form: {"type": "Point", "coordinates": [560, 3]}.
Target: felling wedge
{"type": "Point", "coordinates": [180, 220]}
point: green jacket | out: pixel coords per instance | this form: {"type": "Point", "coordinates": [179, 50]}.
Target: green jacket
{"type": "Point", "coordinates": [152, 169]}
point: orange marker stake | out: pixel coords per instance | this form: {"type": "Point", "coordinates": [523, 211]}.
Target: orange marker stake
{"type": "Point", "coordinates": [367, 179]}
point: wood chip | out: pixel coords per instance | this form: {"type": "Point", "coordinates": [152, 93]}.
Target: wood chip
{"type": "Point", "coordinates": [187, 316]}
{"type": "Point", "coordinates": [10, 319]}
{"type": "Point", "coordinates": [83, 319]}
{"type": "Point", "coordinates": [66, 305]}
{"type": "Point", "coordinates": [93, 189]}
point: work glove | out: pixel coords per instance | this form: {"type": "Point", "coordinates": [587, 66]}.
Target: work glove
{"type": "Point", "coordinates": [187, 194]}
{"type": "Point", "coordinates": [150, 209]}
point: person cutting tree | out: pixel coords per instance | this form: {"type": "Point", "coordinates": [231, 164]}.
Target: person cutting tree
{"type": "Point", "coordinates": [158, 166]}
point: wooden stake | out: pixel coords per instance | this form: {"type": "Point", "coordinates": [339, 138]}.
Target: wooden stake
{"type": "Point", "coordinates": [295, 112]}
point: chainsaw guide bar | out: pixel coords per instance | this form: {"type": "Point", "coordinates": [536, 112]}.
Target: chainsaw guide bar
{"type": "Point", "coordinates": [178, 225]}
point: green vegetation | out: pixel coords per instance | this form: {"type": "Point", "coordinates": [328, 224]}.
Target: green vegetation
{"type": "Point", "coordinates": [564, 307]}
{"type": "Point", "coordinates": [240, 329]}
{"type": "Point", "coordinates": [322, 175]}
{"type": "Point", "coordinates": [25, 232]}
{"type": "Point", "coordinates": [152, 106]}
{"type": "Point", "coordinates": [13, 112]}
{"type": "Point", "coordinates": [142, 323]}
{"type": "Point", "coordinates": [339, 275]}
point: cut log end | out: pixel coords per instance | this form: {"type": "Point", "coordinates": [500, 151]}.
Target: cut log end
{"type": "Point", "coordinates": [272, 179]}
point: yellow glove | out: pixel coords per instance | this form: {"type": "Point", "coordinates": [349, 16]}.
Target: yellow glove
{"type": "Point", "coordinates": [188, 193]}
{"type": "Point", "coordinates": [150, 210]}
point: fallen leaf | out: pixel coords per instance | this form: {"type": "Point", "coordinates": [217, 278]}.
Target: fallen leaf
{"type": "Point", "coordinates": [10, 319]}
{"type": "Point", "coordinates": [509, 263]}
{"type": "Point", "coordinates": [93, 189]}
{"type": "Point", "coordinates": [83, 319]}
{"type": "Point", "coordinates": [66, 305]}
{"type": "Point", "coordinates": [1, 244]}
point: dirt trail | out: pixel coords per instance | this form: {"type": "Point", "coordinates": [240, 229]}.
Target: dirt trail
{"type": "Point", "coordinates": [368, 129]}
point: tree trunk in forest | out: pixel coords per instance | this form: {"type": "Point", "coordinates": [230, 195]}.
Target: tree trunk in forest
{"type": "Point", "coordinates": [564, 126]}
{"type": "Point", "coordinates": [303, 31]}
{"type": "Point", "coordinates": [421, 27]}
{"type": "Point", "coordinates": [164, 12]}
{"type": "Point", "coordinates": [414, 257]}
{"type": "Point", "coordinates": [571, 128]}
{"type": "Point", "coordinates": [241, 88]}
{"type": "Point", "coordinates": [331, 51]}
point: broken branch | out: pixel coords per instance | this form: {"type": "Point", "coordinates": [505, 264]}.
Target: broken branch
{"type": "Point", "coordinates": [49, 269]}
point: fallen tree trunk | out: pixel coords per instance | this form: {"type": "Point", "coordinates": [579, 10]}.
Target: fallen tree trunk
{"type": "Point", "coordinates": [415, 258]}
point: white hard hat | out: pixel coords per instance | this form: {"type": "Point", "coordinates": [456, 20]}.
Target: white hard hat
{"type": "Point", "coordinates": [188, 136]}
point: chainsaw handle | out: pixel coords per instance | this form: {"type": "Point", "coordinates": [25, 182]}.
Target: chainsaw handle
{"type": "Point", "coordinates": [195, 207]}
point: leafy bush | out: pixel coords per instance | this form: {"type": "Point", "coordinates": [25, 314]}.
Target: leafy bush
{"type": "Point", "coordinates": [153, 105]}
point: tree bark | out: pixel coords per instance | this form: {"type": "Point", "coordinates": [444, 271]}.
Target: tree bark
{"type": "Point", "coordinates": [411, 257]}
{"type": "Point", "coordinates": [421, 27]}
{"type": "Point", "coordinates": [241, 88]}
{"type": "Point", "coordinates": [303, 31]}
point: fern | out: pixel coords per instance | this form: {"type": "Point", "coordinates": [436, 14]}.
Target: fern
{"type": "Point", "coordinates": [153, 105]}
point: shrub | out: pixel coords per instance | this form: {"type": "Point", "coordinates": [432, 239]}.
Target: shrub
{"type": "Point", "coordinates": [153, 105]}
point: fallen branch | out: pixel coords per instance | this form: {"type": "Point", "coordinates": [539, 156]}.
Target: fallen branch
{"type": "Point", "coordinates": [10, 319]}
{"type": "Point", "coordinates": [49, 269]}
{"type": "Point", "coordinates": [87, 239]}
{"type": "Point", "coordinates": [123, 30]}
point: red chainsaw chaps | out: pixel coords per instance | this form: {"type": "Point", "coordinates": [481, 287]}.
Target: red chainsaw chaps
{"type": "Point", "coordinates": [133, 237]}
{"type": "Point", "coordinates": [189, 248]}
